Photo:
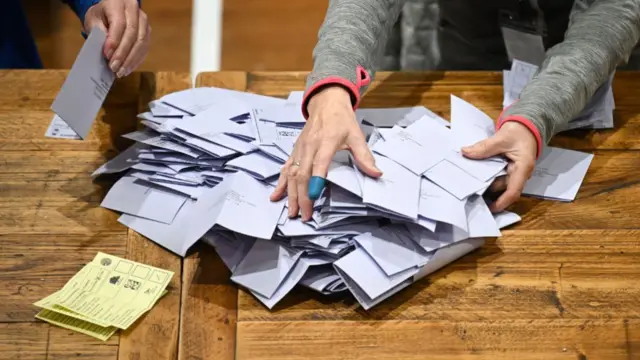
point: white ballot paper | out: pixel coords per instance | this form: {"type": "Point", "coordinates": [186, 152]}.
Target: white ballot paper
{"type": "Point", "coordinates": [323, 279]}
{"type": "Point", "coordinates": [418, 148]}
{"type": "Point", "coordinates": [558, 174]}
{"type": "Point", "coordinates": [130, 196]}
{"type": "Point", "coordinates": [231, 247]}
{"type": "Point", "coordinates": [162, 110]}
{"type": "Point", "coordinates": [286, 285]}
{"type": "Point", "coordinates": [165, 235]}
{"type": "Point", "coordinates": [237, 198]}
{"type": "Point", "coordinates": [344, 175]}
{"type": "Point", "coordinates": [447, 255]}
{"type": "Point", "coordinates": [506, 218]}
{"type": "Point", "coordinates": [437, 204]}
{"type": "Point", "coordinates": [121, 162]}
{"type": "Point", "coordinates": [370, 285]}
{"type": "Point", "coordinates": [359, 269]}
{"type": "Point", "coordinates": [206, 163]}
{"type": "Point", "coordinates": [454, 180]}
{"type": "Point", "coordinates": [516, 79]}
{"type": "Point", "coordinates": [214, 121]}
{"type": "Point", "coordinates": [396, 191]}
{"type": "Point", "coordinates": [86, 86]}
{"type": "Point", "coordinates": [468, 124]}
{"type": "Point", "coordinates": [392, 249]}
{"type": "Point", "coordinates": [264, 277]}
{"type": "Point", "coordinates": [597, 114]}
{"type": "Point", "coordinates": [256, 164]}
{"type": "Point", "coordinates": [60, 129]}
{"type": "Point", "coordinates": [402, 116]}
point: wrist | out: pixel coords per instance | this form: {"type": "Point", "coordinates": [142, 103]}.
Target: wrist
{"type": "Point", "coordinates": [526, 128]}
{"type": "Point", "coordinates": [81, 8]}
{"type": "Point", "coordinates": [334, 94]}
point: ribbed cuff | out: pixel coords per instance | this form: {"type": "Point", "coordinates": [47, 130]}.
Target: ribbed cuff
{"type": "Point", "coordinates": [529, 125]}
{"type": "Point", "coordinates": [362, 77]}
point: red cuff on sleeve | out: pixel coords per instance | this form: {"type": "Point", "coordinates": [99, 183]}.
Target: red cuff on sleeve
{"type": "Point", "coordinates": [526, 122]}
{"type": "Point", "coordinates": [363, 79]}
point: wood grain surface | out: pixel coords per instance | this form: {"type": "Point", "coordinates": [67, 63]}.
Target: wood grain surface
{"type": "Point", "coordinates": [562, 284]}
{"type": "Point", "coordinates": [209, 299]}
{"type": "Point", "coordinates": [51, 223]}
{"type": "Point", "coordinates": [155, 336]}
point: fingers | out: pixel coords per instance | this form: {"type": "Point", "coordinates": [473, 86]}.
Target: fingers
{"type": "Point", "coordinates": [116, 23]}
{"type": "Point", "coordinates": [281, 187]}
{"type": "Point", "coordinates": [498, 185]}
{"type": "Point", "coordinates": [302, 179]}
{"type": "Point", "coordinates": [122, 21]}
{"type": "Point", "coordinates": [140, 47]}
{"type": "Point", "coordinates": [320, 168]}
{"type": "Point", "coordinates": [519, 173]}
{"type": "Point", "coordinates": [292, 191]}
{"type": "Point", "coordinates": [362, 155]}
{"type": "Point", "coordinates": [93, 21]}
{"type": "Point", "coordinates": [486, 148]}
{"type": "Point", "coordinates": [323, 158]}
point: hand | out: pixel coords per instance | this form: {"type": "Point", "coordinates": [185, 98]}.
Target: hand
{"type": "Point", "coordinates": [519, 146]}
{"type": "Point", "coordinates": [128, 33]}
{"type": "Point", "coordinates": [331, 126]}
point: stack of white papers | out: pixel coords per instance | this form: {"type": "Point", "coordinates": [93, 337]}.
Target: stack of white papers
{"type": "Point", "coordinates": [598, 114]}
{"type": "Point", "coordinates": [208, 159]}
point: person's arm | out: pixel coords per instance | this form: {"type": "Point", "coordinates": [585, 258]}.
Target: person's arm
{"type": "Point", "coordinates": [350, 41]}
{"type": "Point", "coordinates": [596, 42]}
{"type": "Point", "coordinates": [80, 7]}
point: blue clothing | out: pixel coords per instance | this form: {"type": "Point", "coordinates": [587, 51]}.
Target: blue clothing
{"type": "Point", "coordinates": [17, 46]}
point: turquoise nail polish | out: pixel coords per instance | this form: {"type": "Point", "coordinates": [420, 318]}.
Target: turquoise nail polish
{"type": "Point", "coordinates": [316, 184]}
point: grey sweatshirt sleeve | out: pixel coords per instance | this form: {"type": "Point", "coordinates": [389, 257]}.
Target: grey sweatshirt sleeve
{"type": "Point", "coordinates": [598, 40]}
{"type": "Point", "coordinates": [350, 42]}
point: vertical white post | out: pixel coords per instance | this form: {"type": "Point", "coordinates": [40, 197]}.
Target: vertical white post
{"type": "Point", "coordinates": [206, 36]}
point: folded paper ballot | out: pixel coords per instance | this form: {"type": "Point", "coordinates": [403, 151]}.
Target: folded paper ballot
{"type": "Point", "coordinates": [558, 174]}
{"type": "Point", "coordinates": [598, 114]}
{"type": "Point", "coordinates": [208, 159]}
{"type": "Point", "coordinates": [108, 294]}
{"type": "Point", "coordinates": [88, 83]}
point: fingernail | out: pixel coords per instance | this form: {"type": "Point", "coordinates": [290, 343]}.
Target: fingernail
{"type": "Point", "coordinates": [115, 65]}
{"type": "Point", "coordinates": [109, 54]}
{"type": "Point", "coordinates": [122, 72]}
{"type": "Point", "coordinates": [316, 184]}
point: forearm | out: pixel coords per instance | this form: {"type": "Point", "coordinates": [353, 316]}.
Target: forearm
{"type": "Point", "coordinates": [597, 41]}
{"type": "Point", "coordinates": [350, 42]}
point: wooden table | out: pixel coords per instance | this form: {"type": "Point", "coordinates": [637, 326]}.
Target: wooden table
{"type": "Point", "coordinates": [562, 284]}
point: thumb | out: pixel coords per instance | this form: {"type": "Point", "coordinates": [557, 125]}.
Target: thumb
{"type": "Point", "coordinates": [363, 157]}
{"type": "Point", "coordinates": [484, 149]}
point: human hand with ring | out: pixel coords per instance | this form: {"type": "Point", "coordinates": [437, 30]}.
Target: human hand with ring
{"type": "Point", "coordinates": [332, 126]}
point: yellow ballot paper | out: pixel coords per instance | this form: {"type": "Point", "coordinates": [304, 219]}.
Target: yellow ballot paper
{"type": "Point", "coordinates": [109, 292]}
{"type": "Point", "coordinates": [71, 323]}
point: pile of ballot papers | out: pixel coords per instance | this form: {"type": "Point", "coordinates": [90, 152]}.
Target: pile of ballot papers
{"type": "Point", "coordinates": [598, 114]}
{"type": "Point", "coordinates": [107, 294]}
{"type": "Point", "coordinates": [207, 160]}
